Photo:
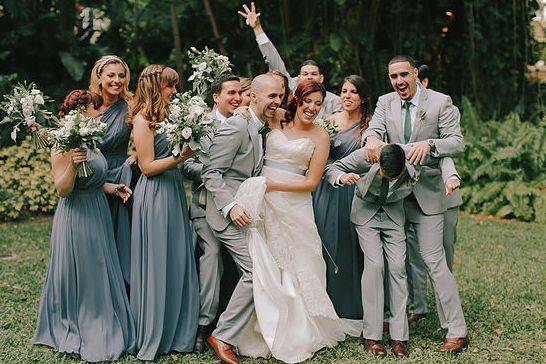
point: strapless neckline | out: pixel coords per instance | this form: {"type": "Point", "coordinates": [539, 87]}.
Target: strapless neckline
{"type": "Point", "coordinates": [292, 140]}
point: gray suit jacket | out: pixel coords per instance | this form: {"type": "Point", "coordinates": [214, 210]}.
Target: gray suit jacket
{"type": "Point", "coordinates": [332, 102]}
{"type": "Point", "coordinates": [192, 168]}
{"type": "Point", "coordinates": [234, 156]}
{"type": "Point", "coordinates": [448, 170]}
{"type": "Point", "coordinates": [439, 121]}
{"type": "Point", "coordinates": [365, 204]}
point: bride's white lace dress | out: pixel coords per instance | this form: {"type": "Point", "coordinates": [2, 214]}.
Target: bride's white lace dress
{"type": "Point", "coordinates": [294, 316]}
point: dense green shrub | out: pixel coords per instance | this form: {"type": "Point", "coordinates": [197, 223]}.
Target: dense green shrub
{"type": "Point", "coordinates": [26, 184]}
{"type": "Point", "coordinates": [504, 166]}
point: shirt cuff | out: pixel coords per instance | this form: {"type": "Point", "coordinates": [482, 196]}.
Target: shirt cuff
{"type": "Point", "coordinates": [454, 176]}
{"type": "Point", "coordinates": [226, 209]}
{"type": "Point", "coordinates": [262, 39]}
{"type": "Point", "coordinates": [338, 181]}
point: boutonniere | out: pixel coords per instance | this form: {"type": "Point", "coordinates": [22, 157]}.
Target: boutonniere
{"type": "Point", "coordinates": [264, 129]}
{"type": "Point", "coordinates": [421, 114]}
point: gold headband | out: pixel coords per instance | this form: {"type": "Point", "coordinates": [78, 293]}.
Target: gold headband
{"type": "Point", "coordinates": [106, 60]}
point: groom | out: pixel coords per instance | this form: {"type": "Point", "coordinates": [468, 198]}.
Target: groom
{"type": "Point", "coordinates": [235, 155]}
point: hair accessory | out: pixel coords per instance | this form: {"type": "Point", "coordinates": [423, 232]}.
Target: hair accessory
{"type": "Point", "coordinates": [107, 60]}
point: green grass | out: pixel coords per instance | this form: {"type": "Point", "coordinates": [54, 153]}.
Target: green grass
{"type": "Point", "coordinates": [500, 268]}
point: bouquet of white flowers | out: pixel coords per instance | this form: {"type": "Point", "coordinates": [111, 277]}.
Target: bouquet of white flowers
{"type": "Point", "coordinates": [25, 107]}
{"type": "Point", "coordinates": [188, 120]}
{"type": "Point", "coordinates": [76, 130]}
{"type": "Point", "coordinates": [328, 125]}
{"type": "Point", "coordinates": [207, 66]}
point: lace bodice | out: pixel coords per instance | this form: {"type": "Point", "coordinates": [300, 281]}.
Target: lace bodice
{"type": "Point", "coordinates": [295, 152]}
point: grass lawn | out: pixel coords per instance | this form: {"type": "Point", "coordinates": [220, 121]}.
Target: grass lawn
{"type": "Point", "coordinates": [500, 269]}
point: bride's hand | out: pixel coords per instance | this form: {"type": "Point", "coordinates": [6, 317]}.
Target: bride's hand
{"type": "Point", "coordinates": [269, 184]}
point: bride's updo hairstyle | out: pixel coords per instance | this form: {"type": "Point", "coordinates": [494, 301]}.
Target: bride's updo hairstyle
{"type": "Point", "coordinates": [77, 99]}
{"type": "Point", "coordinates": [148, 99]}
{"type": "Point", "coordinates": [304, 88]}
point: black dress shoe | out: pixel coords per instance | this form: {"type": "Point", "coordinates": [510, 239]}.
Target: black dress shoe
{"type": "Point", "coordinates": [201, 339]}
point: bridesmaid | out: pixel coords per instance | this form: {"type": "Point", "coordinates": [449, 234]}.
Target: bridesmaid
{"type": "Point", "coordinates": [332, 206]}
{"type": "Point", "coordinates": [164, 283]}
{"type": "Point", "coordinates": [110, 78]}
{"type": "Point", "coordinates": [84, 309]}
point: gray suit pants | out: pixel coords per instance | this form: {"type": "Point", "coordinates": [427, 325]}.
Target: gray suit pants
{"type": "Point", "coordinates": [417, 271]}
{"type": "Point", "coordinates": [381, 237]}
{"type": "Point", "coordinates": [210, 271]}
{"type": "Point", "coordinates": [241, 305]}
{"type": "Point", "coordinates": [428, 240]}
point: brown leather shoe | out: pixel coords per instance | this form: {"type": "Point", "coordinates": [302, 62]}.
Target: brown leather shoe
{"type": "Point", "coordinates": [375, 347]}
{"type": "Point", "coordinates": [223, 351]}
{"type": "Point", "coordinates": [399, 348]}
{"type": "Point", "coordinates": [415, 318]}
{"type": "Point", "coordinates": [454, 345]}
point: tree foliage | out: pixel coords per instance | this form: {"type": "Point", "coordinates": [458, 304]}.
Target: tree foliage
{"type": "Point", "coordinates": [475, 48]}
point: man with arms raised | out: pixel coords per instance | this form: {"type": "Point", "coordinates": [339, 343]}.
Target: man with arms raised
{"type": "Point", "coordinates": [309, 69]}
{"type": "Point", "coordinates": [226, 95]}
{"type": "Point", "coordinates": [236, 153]}
{"type": "Point", "coordinates": [427, 120]}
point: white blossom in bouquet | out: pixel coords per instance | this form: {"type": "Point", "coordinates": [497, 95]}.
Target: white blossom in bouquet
{"type": "Point", "coordinates": [207, 66]}
{"type": "Point", "coordinates": [25, 107]}
{"type": "Point", "coordinates": [75, 130]}
{"type": "Point", "coordinates": [188, 120]}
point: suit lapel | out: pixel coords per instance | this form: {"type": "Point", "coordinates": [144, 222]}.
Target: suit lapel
{"type": "Point", "coordinates": [423, 99]}
{"type": "Point", "coordinates": [253, 133]}
{"type": "Point", "coordinates": [396, 117]}
{"type": "Point", "coordinates": [365, 183]}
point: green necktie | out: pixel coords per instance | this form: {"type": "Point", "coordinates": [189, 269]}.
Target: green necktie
{"type": "Point", "coordinates": [407, 121]}
{"type": "Point", "coordinates": [383, 191]}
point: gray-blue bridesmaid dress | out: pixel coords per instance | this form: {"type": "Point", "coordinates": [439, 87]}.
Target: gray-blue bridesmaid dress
{"type": "Point", "coordinates": [114, 148]}
{"type": "Point", "coordinates": [164, 281]}
{"type": "Point", "coordinates": [332, 208]}
{"type": "Point", "coordinates": [84, 309]}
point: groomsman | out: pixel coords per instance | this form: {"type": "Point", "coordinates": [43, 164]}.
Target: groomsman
{"type": "Point", "coordinates": [236, 154]}
{"type": "Point", "coordinates": [309, 69]}
{"type": "Point", "coordinates": [427, 120]}
{"type": "Point", "coordinates": [417, 273]}
{"type": "Point", "coordinates": [378, 215]}
{"type": "Point", "coordinates": [226, 95]}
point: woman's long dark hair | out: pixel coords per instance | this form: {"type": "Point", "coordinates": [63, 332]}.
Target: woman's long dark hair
{"type": "Point", "coordinates": [304, 88]}
{"type": "Point", "coordinates": [365, 100]}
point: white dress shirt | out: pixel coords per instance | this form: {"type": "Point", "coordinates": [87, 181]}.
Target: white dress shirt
{"type": "Point", "coordinates": [413, 108]}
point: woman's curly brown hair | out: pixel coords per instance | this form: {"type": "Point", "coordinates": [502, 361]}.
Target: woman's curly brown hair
{"type": "Point", "coordinates": [77, 99]}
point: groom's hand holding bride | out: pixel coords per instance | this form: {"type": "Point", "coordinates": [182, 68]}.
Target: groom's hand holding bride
{"type": "Point", "coordinates": [239, 216]}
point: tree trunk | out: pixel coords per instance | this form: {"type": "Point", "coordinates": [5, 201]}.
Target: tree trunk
{"type": "Point", "coordinates": [214, 27]}
{"type": "Point", "coordinates": [177, 45]}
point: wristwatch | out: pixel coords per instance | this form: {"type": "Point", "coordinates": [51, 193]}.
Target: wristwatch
{"type": "Point", "coordinates": [432, 145]}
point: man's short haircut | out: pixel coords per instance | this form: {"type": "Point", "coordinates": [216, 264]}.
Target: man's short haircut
{"type": "Point", "coordinates": [402, 58]}
{"type": "Point", "coordinates": [392, 160]}
{"type": "Point", "coordinates": [424, 72]}
{"type": "Point", "coordinates": [310, 62]}
{"type": "Point", "coordinates": [216, 86]}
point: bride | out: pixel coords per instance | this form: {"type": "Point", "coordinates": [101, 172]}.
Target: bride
{"type": "Point", "coordinates": [294, 316]}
